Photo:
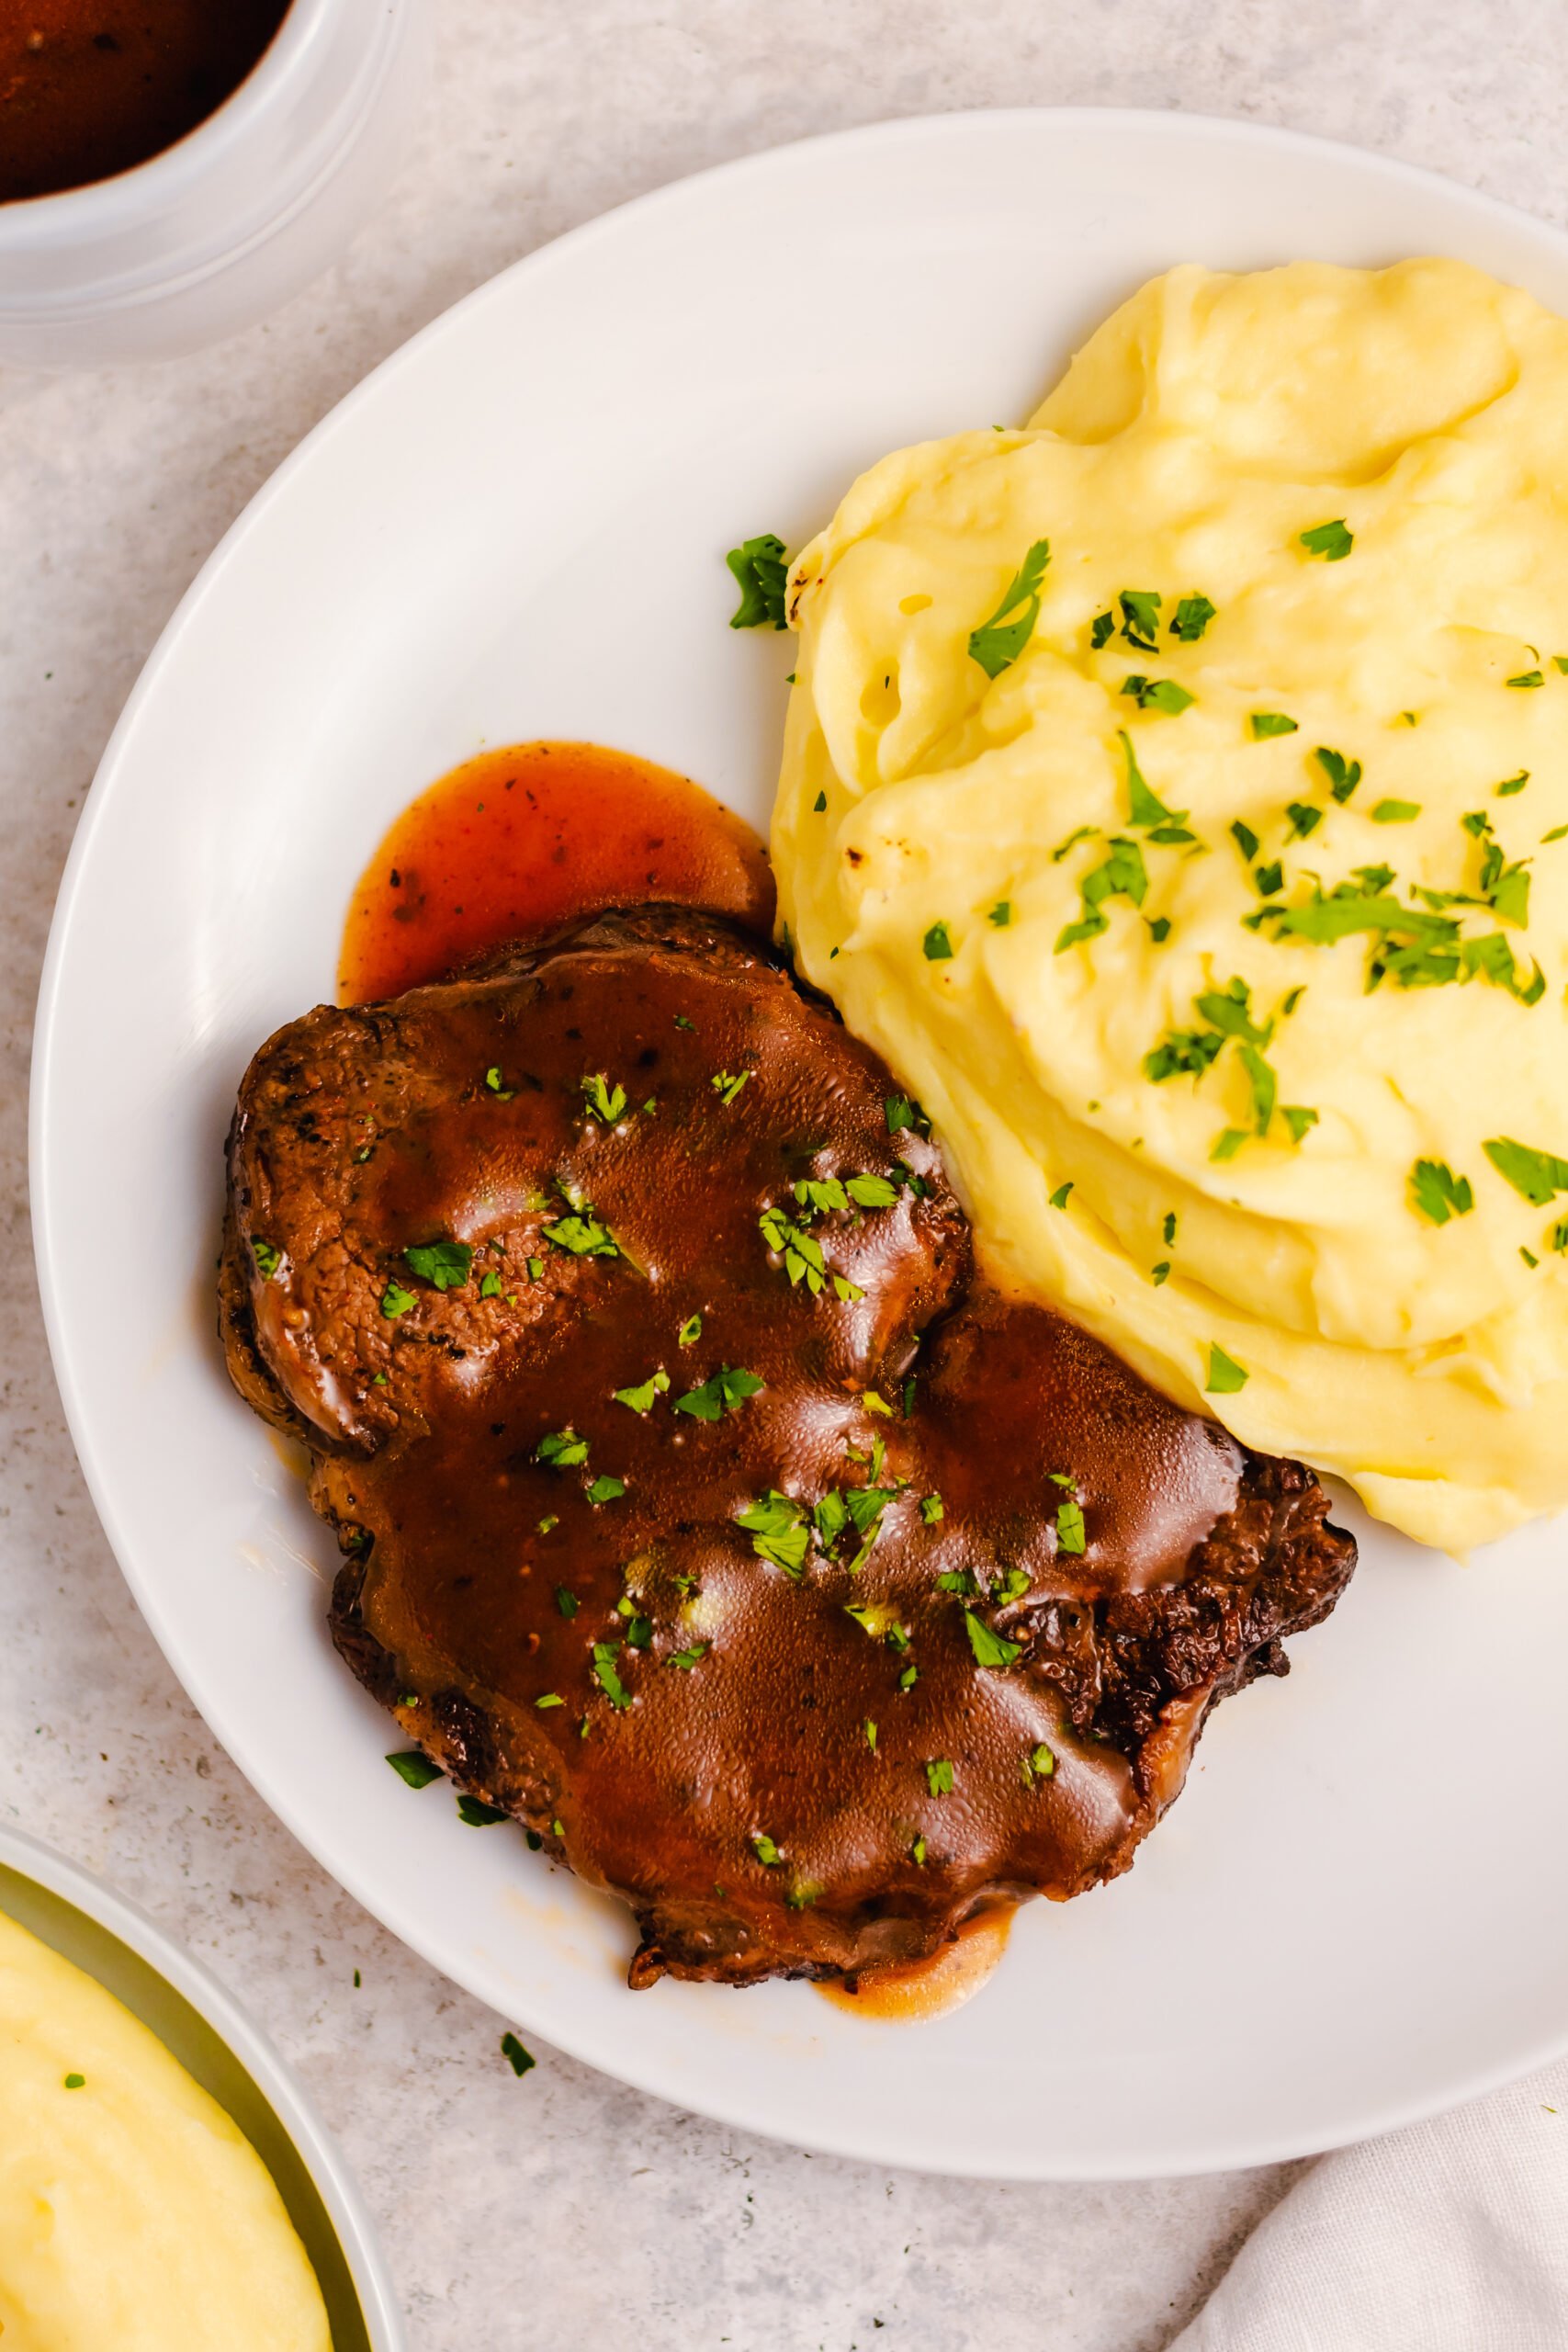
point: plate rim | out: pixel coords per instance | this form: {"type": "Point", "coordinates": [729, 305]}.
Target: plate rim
{"type": "Point", "coordinates": [866, 2145]}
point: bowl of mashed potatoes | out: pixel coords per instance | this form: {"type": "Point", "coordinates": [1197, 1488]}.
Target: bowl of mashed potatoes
{"type": "Point", "coordinates": [1176, 793]}
{"type": "Point", "coordinates": [164, 2180]}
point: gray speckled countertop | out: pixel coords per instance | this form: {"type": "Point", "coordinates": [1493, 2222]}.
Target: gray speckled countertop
{"type": "Point", "coordinates": [563, 2210]}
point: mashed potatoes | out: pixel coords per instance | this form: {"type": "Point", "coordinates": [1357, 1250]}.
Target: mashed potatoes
{"type": "Point", "coordinates": [133, 2214]}
{"type": "Point", "coordinates": [1215, 904]}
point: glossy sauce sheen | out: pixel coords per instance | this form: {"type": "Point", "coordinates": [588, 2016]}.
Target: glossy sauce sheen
{"type": "Point", "coordinates": [90, 87]}
{"type": "Point", "coordinates": [739, 1712]}
{"type": "Point", "coordinates": [912, 1991]}
{"type": "Point", "coordinates": [511, 845]}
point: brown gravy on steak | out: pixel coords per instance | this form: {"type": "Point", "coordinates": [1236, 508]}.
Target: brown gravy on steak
{"type": "Point", "coordinates": [480, 1570]}
{"type": "Point", "coordinates": [519, 842]}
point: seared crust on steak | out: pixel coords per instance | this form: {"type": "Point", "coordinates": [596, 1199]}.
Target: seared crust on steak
{"type": "Point", "coordinates": [802, 1664]}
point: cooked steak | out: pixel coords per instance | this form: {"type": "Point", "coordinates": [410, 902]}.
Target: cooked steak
{"type": "Point", "coordinates": [700, 1506]}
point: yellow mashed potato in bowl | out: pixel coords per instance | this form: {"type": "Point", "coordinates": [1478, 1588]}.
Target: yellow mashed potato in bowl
{"type": "Point", "coordinates": [134, 2214]}
{"type": "Point", "coordinates": [1176, 793]}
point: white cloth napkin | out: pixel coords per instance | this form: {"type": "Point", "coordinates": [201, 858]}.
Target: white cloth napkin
{"type": "Point", "coordinates": [1450, 2236]}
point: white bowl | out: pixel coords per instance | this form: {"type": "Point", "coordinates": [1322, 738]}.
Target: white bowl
{"type": "Point", "coordinates": [229, 2055]}
{"type": "Point", "coordinates": [218, 229]}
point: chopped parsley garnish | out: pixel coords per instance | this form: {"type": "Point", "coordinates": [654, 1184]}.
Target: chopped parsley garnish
{"type": "Point", "coordinates": [761, 566]}
{"type": "Point", "coordinates": [1160, 1273]}
{"type": "Point", "coordinates": [1269, 880]}
{"type": "Point", "coordinates": [1140, 617]}
{"type": "Point", "coordinates": [1225, 1376]}
{"type": "Point", "coordinates": [1512, 783]}
{"type": "Point", "coordinates": [1069, 1526]}
{"type": "Point", "coordinates": [536, 1267]}
{"type": "Point", "coordinates": [1159, 693]}
{"type": "Point", "coordinates": [606, 1102]}
{"type": "Point", "coordinates": [910, 1677]}
{"type": "Point", "coordinates": [1081, 833]}
{"type": "Point", "coordinates": [989, 1648]}
{"type": "Point", "coordinates": [1160, 929]}
{"type": "Point", "coordinates": [1511, 896]}
{"type": "Point", "coordinates": [1558, 1237]}
{"type": "Point", "coordinates": [1538, 1176]}
{"type": "Point", "coordinates": [779, 1530]}
{"type": "Point", "coordinates": [550, 1699]}
{"type": "Point", "coordinates": [1265, 723]}
{"type": "Point", "coordinates": [608, 1679]}
{"type": "Point", "coordinates": [902, 1115]}
{"type": "Point", "coordinates": [492, 1079]}
{"type": "Point", "coordinates": [1330, 540]}
{"type": "Point", "coordinates": [566, 1601]}
{"type": "Point", "coordinates": [79, 2082]}
{"type": "Point", "coordinates": [725, 1392]}
{"type": "Point", "coordinates": [1260, 1078]}
{"type": "Point", "coordinates": [1122, 876]}
{"type": "Point", "coordinates": [1414, 948]}
{"type": "Point", "coordinates": [489, 1285]}
{"type": "Point", "coordinates": [1101, 630]}
{"type": "Point", "coordinates": [443, 1264]}
{"type": "Point", "coordinates": [1395, 812]}
{"type": "Point", "coordinates": [998, 642]}
{"type": "Point", "coordinates": [728, 1084]}
{"type": "Point", "coordinates": [1182, 1053]}
{"type": "Point", "coordinates": [413, 1765]}
{"type": "Point", "coordinates": [801, 1254]}
{"type": "Point", "coordinates": [1062, 1195]}
{"type": "Point", "coordinates": [396, 1301]}
{"type": "Point", "coordinates": [870, 1730]}
{"type": "Point", "coordinates": [606, 1489]}
{"type": "Point", "coordinates": [682, 1022]}
{"type": "Point", "coordinates": [937, 944]}
{"type": "Point", "coordinates": [932, 1512]}
{"type": "Point", "coordinates": [475, 1814]}
{"type": "Point", "coordinates": [546, 1524]}
{"type": "Point", "coordinates": [640, 1400]}
{"type": "Point", "coordinates": [1437, 1192]}
{"type": "Point", "coordinates": [1192, 616]}
{"type": "Point", "coordinates": [1343, 774]}
{"type": "Point", "coordinates": [938, 1777]}
{"type": "Point", "coordinates": [581, 1236]}
{"type": "Point", "coordinates": [268, 1259]}
{"type": "Point", "coordinates": [1246, 839]}
{"type": "Point", "coordinates": [690, 1331]}
{"type": "Point", "coordinates": [1001, 915]}
{"type": "Point", "coordinates": [1305, 819]}
{"type": "Point", "coordinates": [562, 1449]}
{"type": "Point", "coordinates": [1039, 1764]}
{"type": "Point", "coordinates": [819, 804]}
{"type": "Point", "coordinates": [1145, 809]}
{"type": "Point", "coordinates": [518, 2058]}
{"type": "Point", "coordinates": [687, 1659]}
{"type": "Point", "coordinates": [1526, 678]}
{"type": "Point", "coordinates": [765, 1849]}
{"type": "Point", "coordinates": [1299, 1118]}
{"type": "Point", "coordinates": [918, 1851]}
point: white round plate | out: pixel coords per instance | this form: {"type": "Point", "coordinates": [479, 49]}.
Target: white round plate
{"type": "Point", "coordinates": [1359, 1911]}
